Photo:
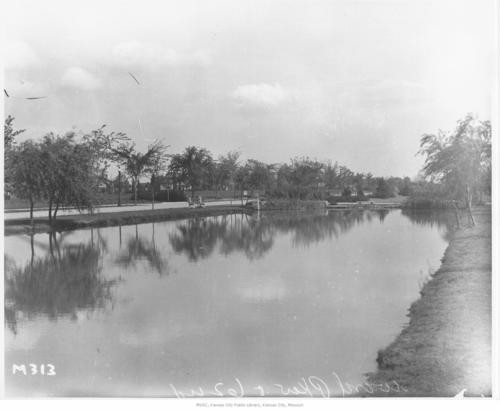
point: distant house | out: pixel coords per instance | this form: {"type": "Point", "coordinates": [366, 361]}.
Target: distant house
{"type": "Point", "coordinates": [163, 183]}
{"type": "Point", "coordinates": [340, 191]}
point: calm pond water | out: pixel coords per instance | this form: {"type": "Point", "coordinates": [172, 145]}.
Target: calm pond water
{"type": "Point", "coordinates": [219, 305]}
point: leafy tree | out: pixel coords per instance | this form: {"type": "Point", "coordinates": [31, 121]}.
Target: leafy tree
{"type": "Point", "coordinates": [256, 175]}
{"type": "Point", "coordinates": [284, 184]}
{"type": "Point", "coordinates": [103, 147]}
{"type": "Point", "coordinates": [9, 132]}
{"type": "Point", "coordinates": [192, 167]}
{"type": "Point", "coordinates": [227, 165]}
{"type": "Point", "coordinates": [347, 192]}
{"type": "Point", "coordinates": [383, 189]}
{"type": "Point", "coordinates": [306, 175]}
{"type": "Point", "coordinates": [459, 160]}
{"type": "Point", "coordinates": [242, 178]}
{"type": "Point", "coordinates": [359, 191]}
{"type": "Point", "coordinates": [260, 175]}
{"type": "Point", "coordinates": [406, 187]}
{"type": "Point", "coordinates": [138, 164]}
{"type": "Point", "coordinates": [9, 142]}
{"type": "Point", "coordinates": [58, 169]}
{"type": "Point", "coordinates": [68, 173]}
{"type": "Point", "coordinates": [345, 176]}
{"type": "Point", "coordinates": [331, 175]}
{"type": "Point", "coordinates": [24, 172]}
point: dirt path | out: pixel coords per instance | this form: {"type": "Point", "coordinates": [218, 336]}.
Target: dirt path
{"type": "Point", "coordinates": [446, 346]}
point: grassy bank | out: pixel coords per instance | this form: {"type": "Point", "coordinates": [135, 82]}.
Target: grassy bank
{"type": "Point", "coordinates": [71, 222]}
{"type": "Point", "coordinates": [446, 346]}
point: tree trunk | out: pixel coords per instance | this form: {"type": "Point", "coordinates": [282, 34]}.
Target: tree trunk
{"type": "Point", "coordinates": [469, 204]}
{"type": "Point", "coordinates": [135, 191]}
{"type": "Point", "coordinates": [55, 210]}
{"type": "Point", "coordinates": [31, 213]}
{"type": "Point", "coordinates": [50, 210]}
{"type": "Point", "coordinates": [457, 217]}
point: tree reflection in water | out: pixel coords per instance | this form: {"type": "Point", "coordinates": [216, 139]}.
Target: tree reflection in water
{"type": "Point", "coordinates": [445, 220]}
{"type": "Point", "coordinates": [197, 237]}
{"type": "Point", "coordinates": [69, 278]}
{"type": "Point", "coordinates": [307, 229]}
{"type": "Point", "coordinates": [254, 235]}
{"type": "Point", "coordinates": [65, 281]}
{"type": "Point", "coordinates": [382, 213]}
{"type": "Point", "coordinates": [251, 235]}
{"type": "Point", "coordinates": [138, 248]}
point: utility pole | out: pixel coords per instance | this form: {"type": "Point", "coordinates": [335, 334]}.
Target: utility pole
{"type": "Point", "coordinates": [119, 188]}
{"type": "Point", "coordinates": [153, 191]}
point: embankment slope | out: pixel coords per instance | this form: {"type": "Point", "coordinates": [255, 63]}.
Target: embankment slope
{"type": "Point", "coordinates": [446, 347]}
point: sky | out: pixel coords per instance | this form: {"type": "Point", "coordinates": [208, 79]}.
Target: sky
{"type": "Point", "coordinates": [353, 81]}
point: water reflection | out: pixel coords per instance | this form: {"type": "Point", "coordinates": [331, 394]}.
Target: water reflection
{"type": "Point", "coordinates": [62, 282]}
{"type": "Point", "coordinates": [444, 220]}
{"type": "Point", "coordinates": [68, 277]}
{"type": "Point", "coordinates": [312, 301]}
{"type": "Point", "coordinates": [198, 237]}
{"type": "Point", "coordinates": [382, 213]}
{"type": "Point", "coordinates": [307, 229]}
{"type": "Point", "coordinates": [139, 248]}
{"type": "Point", "coordinates": [254, 235]}
{"type": "Point", "coordinates": [254, 239]}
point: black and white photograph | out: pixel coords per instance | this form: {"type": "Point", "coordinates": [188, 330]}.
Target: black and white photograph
{"type": "Point", "coordinates": [249, 200]}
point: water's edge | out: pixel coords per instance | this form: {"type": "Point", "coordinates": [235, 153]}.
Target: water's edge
{"type": "Point", "coordinates": [72, 222]}
{"type": "Point", "coordinates": [446, 347]}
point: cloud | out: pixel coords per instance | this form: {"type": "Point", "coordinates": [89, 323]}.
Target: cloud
{"type": "Point", "coordinates": [19, 55]}
{"type": "Point", "coordinates": [80, 79]}
{"type": "Point", "coordinates": [259, 95]}
{"type": "Point", "coordinates": [150, 55]}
